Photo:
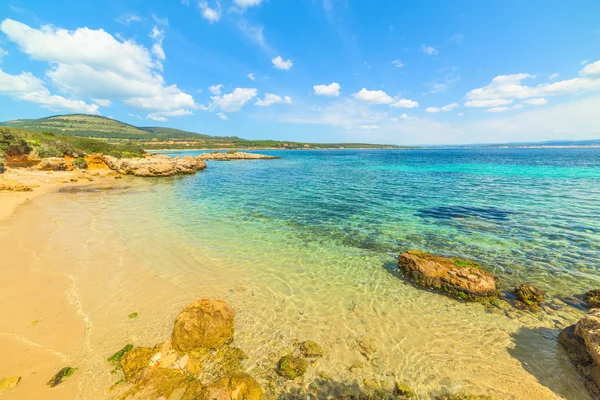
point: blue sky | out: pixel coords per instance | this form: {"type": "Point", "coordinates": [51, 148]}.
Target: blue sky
{"type": "Point", "coordinates": [426, 72]}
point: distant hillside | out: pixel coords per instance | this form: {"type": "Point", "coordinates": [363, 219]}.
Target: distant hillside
{"type": "Point", "coordinates": [93, 126]}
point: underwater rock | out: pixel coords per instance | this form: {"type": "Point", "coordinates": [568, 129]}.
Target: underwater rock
{"type": "Point", "coordinates": [135, 361]}
{"type": "Point", "coordinates": [237, 387]}
{"type": "Point", "coordinates": [309, 348]}
{"type": "Point", "coordinates": [531, 296]}
{"type": "Point", "coordinates": [115, 359]}
{"type": "Point", "coordinates": [366, 347]}
{"type": "Point", "coordinates": [460, 278]}
{"type": "Point", "coordinates": [238, 155]}
{"type": "Point", "coordinates": [53, 164]}
{"type": "Point", "coordinates": [155, 165]}
{"type": "Point", "coordinates": [291, 367]}
{"type": "Point", "coordinates": [582, 342]}
{"type": "Point", "coordinates": [9, 383]}
{"type": "Point", "coordinates": [204, 323]}
{"type": "Point", "coordinates": [592, 299]}
{"type": "Point", "coordinates": [401, 389]}
{"type": "Point", "coordinates": [60, 376]}
{"type": "Point", "coordinates": [158, 382]}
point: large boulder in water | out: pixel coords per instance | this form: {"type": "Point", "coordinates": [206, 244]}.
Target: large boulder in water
{"type": "Point", "coordinates": [155, 165]}
{"type": "Point", "coordinates": [460, 278]}
{"type": "Point", "coordinates": [203, 324]}
{"type": "Point", "coordinates": [582, 342]}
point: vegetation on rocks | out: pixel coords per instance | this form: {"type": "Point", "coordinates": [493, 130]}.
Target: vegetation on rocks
{"type": "Point", "coordinates": [9, 383]}
{"type": "Point", "coordinates": [291, 367]}
{"type": "Point", "coordinates": [115, 359]}
{"type": "Point", "coordinates": [592, 298]}
{"type": "Point", "coordinates": [311, 349]}
{"type": "Point", "coordinates": [531, 296]}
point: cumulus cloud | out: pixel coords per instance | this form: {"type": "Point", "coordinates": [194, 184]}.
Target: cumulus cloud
{"type": "Point", "coordinates": [269, 100]}
{"type": "Point", "coordinates": [247, 3]}
{"type": "Point", "coordinates": [536, 102]}
{"type": "Point", "coordinates": [279, 63]}
{"type": "Point", "coordinates": [591, 69]}
{"type": "Point", "coordinates": [215, 89]}
{"type": "Point", "coordinates": [404, 103]}
{"type": "Point", "coordinates": [210, 14]}
{"type": "Point", "coordinates": [429, 50]}
{"type": "Point", "coordinates": [235, 100]}
{"type": "Point", "coordinates": [27, 87]}
{"type": "Point", "coordinates": [449, 107]}
{"type": "Point", "coordinates": [3, 53]}
{"type": "Point", "coordinates": [251, 76]}
{"type": "Point", "coordinates": [498, 109]}
{"type": "Point", "coordinates": [90, 63]}
{"type": "Point", "coordinates": [373, 96]}
{"type": "Point", "coordinates": [331, 90]}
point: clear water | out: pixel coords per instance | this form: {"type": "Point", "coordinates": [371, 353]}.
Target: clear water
{"type": "Point", "coordinates": [306, 246]}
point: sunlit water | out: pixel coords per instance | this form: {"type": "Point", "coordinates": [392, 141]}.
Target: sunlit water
{"type": "Point", "coordinates": [306, 247]}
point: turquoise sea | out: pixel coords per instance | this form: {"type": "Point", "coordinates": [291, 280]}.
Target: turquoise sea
{"type": "Point", "coordinates": [307, 246]}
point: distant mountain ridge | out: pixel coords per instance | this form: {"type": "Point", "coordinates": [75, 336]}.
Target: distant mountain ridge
{"type": "Point", "coordinates": [94, 126]}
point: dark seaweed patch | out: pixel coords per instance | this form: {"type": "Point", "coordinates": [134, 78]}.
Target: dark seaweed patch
{"type": "Point", "coordinates": [452, 212]}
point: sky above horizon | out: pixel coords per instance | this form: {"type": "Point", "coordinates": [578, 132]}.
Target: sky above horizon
{"type": "Point", "coordinates": [398, 72]}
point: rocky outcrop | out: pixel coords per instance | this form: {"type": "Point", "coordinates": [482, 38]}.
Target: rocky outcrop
{"type": "Point", "coordinates": [460, 278]}
{"type": "Point", "coordinates": [530, 296]}
{"type": "Point", "coordinates": [217, 156]}
{"type": "Point", "coordinates": [53, 164]}
{"type": "Point", "coordinates": [155, 165]}
{"type": "Point", "coordinates": [582, 342]}
{"type": "Point", "coordinates": [291, 367]}
{"type": "Point", "coordinates": [592, 299]}
{"type": "Point", "coordinates": [204, 323]}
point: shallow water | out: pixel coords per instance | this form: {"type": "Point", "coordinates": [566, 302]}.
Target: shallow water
{"type": "Point", "coordinates": [306, 247]}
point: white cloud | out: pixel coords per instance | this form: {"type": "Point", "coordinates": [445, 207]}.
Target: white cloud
{"type": "Point", "coordinates": [215, 89]}
{"type": "Point", "coordinates": [553, 76]}
{"type": "Point", "coordinates": [591, 69]}
{"type": "Point", "coordinates": [212, 15]}
{"type": "Point", "coordinates": [331, 90]}
{"type": "Point", "coordinates": [3, 53]}
{"type": "Point", "coordinates": [584, 62]}
{"type": "Point", "coordinates": [405, 103]}
{"type": "Point", "coordinates": [162, 115]}
{"type": "Point", "coordinates": [429, 50]}
{"type": "Point", "coordinates": [235, 100]}
{"type": "Point", "coordinates": [498, 109]}
{"type": "Point", "coordinates": [394, 119]}
{"type": "Point", "coordinates": [398, 63]}
{"type": "Point", "coordinates": [222, 116]}
{"type": "Point", "coordinates": [446, 108]}
{"type": "Point", "coordinates": [88, 63]}
{"type": "Point", "coordinates": [158, 36]}
{"type": "Point", "coordinates": [269, 100]}
{"type": "Point", "coordinates": [287, 100]}
{"type": "Point", "coordinates": [487, 103]}
{"type": "Point", "coordinates": [368, 127]}
{"type": "Point", "coordinates": [27, 87]}
{"type": "Point", "coordinates": [102, 102]}
{"type": "Point", "coordinates": [251, 76]}
{"type": "Point", "coordinates": [405, 117]}
{"type": "Point", "coordinates": [160, 21]}
{"type": "Point", "coordinates": [373, 96]}
{"type": "Point", "coordinates": [247, 3]}
{"type": "Point", "coordinates": [126, 19]}
{"type": "Point", "coordinates": [536, 102]}
{"type": "Point", "coordinates": [279, 63]}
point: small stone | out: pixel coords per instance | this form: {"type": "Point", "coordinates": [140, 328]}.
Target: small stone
{"type": "Point", "coordinates": [9, 383]}
{"type": "Point", "coordinates": [60, 376]}
{"type": "Point", "coordinates": [291, 367]}
{"type": "Point", "coordinates": [311, 349]}
{"type": "Point", "coordinates": [371, 384]}
{"type": "Point", "coordinates": [132, 315]}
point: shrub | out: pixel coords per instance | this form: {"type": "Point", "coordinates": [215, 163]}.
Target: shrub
{"type": "Point", "coordinates": [11, 145]}
{"type": "Point", "coordinates": [79, 163]}
{"type": "Point", "coordinates": [2, 165]}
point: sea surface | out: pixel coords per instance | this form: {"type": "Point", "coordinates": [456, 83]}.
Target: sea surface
{"type": "Point", "coordinates": [306, 246]}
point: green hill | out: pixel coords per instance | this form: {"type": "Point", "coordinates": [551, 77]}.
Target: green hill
{"type": "Point", "coordinates": [113, 131]}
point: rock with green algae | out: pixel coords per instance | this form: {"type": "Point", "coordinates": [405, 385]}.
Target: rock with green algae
{"type": "Point", "coordinates": [60, 376]}
{"type": "Point", "coordinates": [456, 277]}
{"type": "Point", "coordinates": [402, 389]}
{"type": "Point", "coordinates": [132, 315]}
{"type": "Point", "coordinates": [214, 364]}
{"type": "Point", "coordinates": [291, 367]}
{"type": "Point", "coordinates": [9, 383]}
{"type": "Point", "coordinates": [135, 361]}
{"type": "Point", "coordinates": [238, 387]}
{"type": "Point", "coordinates": [205, 323]}
{"type": "Point", "coordinates": [592, 299]}
{"type": "Point", "coordinates": [193, 391]}
{"type": "Point", "coordinates": [115, 359]}
{"type": "Point", "coordinates": [309, 348]}
{"type": "Point", "coordinates": [158, 382]}
{"type": "Point", "coordinates": [531, 296]}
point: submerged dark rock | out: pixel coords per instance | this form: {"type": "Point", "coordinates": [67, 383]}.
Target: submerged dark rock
{"type": "Point", "coordinates": [457, 277]}
{"type": "Point", "coordinates": [451, 212]}
{"type": "Point", "coordinates": [60, 376]}
{"type": "Point", "coordinates": [592, 299]}
{"type": "Point", "coordinates": [531, 296]}
{"type": "Point", "coordinates": [291, 367]}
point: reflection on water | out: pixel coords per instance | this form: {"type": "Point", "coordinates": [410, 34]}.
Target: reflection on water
{"type": "Point", "coordinates": [302, 248]}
